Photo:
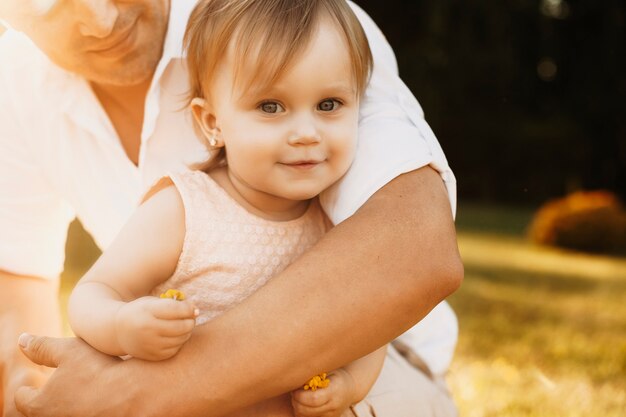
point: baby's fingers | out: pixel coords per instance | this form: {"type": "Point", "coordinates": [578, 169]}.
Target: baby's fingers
{"type": "Point", "coordinates": [176, 328]}
{"type": "Point", "coordinates": [168, 309]}
{"type": "Point", "coordinates": [301, 410]}
{"type": "Point", "coordinates": [308, 398]}
{"type": "Point", "coordinates": [175, 318]}
{"type": "Point", "coordinates": [174, 342]}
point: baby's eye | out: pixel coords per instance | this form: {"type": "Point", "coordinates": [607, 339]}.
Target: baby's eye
{"type": "Point", "coordinates": [271, 107]}
{"type": "Point", "coordinates": [329, 104]}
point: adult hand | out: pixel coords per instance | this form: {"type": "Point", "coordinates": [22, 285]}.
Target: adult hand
{"type": "Point", "coordinates": [88, 383]}
{"type": "Point", "coordinates": [27, 304]}
{"type": "Point", "coordinates": [77, 365]}
{"type": "Point", "coordinates": [23, 376]}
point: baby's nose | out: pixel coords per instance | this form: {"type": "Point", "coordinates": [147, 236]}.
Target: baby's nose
{"type": "Point", "coordinates": [305, 132]}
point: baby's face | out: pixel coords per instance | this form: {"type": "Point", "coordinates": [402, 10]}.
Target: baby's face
{"type": "Point", "coordinates": [106, 41]}
{"type": "Point", "coordinates": [298, 137]}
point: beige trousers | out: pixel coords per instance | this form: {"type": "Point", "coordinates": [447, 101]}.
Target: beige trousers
{"type": "Point", "coordinates": [402, 390]}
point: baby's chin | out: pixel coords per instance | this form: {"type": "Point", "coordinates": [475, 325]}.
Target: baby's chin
{"type": "Point", "coordinates": [303, 192]}
{"type": "Point", "coordinates": [304, 195]}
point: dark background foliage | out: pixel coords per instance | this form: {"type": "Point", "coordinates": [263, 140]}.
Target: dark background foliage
{"type": "Point", "coordinates": [526, 96]}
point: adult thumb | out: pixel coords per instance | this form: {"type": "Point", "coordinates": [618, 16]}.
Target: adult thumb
{"type": "Point", "coordinates": [42, 350]}
{"type": "Point", "coordinates": [24, 398]}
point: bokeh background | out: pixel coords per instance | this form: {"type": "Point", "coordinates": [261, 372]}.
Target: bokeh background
{"type": "Point", "coordinates": [527, 98]}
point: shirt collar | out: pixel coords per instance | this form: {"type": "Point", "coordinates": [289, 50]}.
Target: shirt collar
{"type": "Point", "coordinates": [69, 91]}
{"type": "Point", "coordinates": [180, 10]}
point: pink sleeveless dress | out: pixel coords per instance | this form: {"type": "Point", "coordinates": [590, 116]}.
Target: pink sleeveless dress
{"type": "Point", "coordinates": [228, 252]}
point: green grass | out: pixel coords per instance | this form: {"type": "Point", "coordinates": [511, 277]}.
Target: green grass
{"type": "Point", "coordinates": [508, 221]}
{"type": "Point", "coordinates": [542, 331]}
{"type": "Point", "coordinates": [81, 252]}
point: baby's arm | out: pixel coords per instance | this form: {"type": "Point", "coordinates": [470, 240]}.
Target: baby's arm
{"type": "Point", "coordinates": [348, 386]}
{"type": "Point", "coordinates": [109, 309]}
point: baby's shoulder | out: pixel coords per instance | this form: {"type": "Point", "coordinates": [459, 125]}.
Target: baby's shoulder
{"type": "Point", "coordinates": [185, 193]}
{"type": "Point", "coordinates": [164, 187]}
{"type": "Point", "coordinates": [163, 200]}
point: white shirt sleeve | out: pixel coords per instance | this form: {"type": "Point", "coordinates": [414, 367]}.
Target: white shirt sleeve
{"type": "Point", "coordinates": [394, 138]}
{"type": "Point", "coordinates": [33, 218]}
{"type": "Point", "coordinates": [434, 338]}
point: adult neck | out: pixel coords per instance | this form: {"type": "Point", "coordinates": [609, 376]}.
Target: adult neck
{"type": "Point", "coordinates": [125, 107]}
{"type": "Point", "coordinates": [129, 96]}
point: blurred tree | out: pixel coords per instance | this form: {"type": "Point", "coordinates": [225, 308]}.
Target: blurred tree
{"type": "Point", "coordinates": [526, 96]}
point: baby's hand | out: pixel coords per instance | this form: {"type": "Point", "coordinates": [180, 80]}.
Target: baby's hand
{"type": "Point", "coordinates": [153, 328]}
{"type": "Point", "coordinates": [326, 402]}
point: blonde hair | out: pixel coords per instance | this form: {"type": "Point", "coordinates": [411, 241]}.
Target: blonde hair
{"type": "Point", "coordinates": [265, 37]}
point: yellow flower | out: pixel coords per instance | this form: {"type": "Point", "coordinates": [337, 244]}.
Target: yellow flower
{"type": "Point", "coordinates": [318, 381]}
{"type": "Point", "coordinates": [173, 294]}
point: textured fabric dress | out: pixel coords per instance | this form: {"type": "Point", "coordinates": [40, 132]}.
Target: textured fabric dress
{"type": "Point", "coordinates": [229, 253]}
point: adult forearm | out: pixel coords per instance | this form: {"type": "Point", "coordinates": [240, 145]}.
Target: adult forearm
{"type": "Point", "coordinates": [367, 281]}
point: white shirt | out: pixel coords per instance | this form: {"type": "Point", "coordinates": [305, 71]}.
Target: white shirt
{"type": "Point", "coordinates": [60, 156]}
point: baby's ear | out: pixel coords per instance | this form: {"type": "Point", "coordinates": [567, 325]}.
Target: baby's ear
{"type": "Point", "coordinates": [206, 121]}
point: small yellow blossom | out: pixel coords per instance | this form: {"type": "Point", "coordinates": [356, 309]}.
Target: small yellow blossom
{"type": "Point", "coordinates": [173, 294]}
{"type": "Point", "coordinates": [318, 381]}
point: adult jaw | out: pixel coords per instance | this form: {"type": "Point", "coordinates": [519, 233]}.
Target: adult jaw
{"type": "Point", "coordinates": [122, 43]}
